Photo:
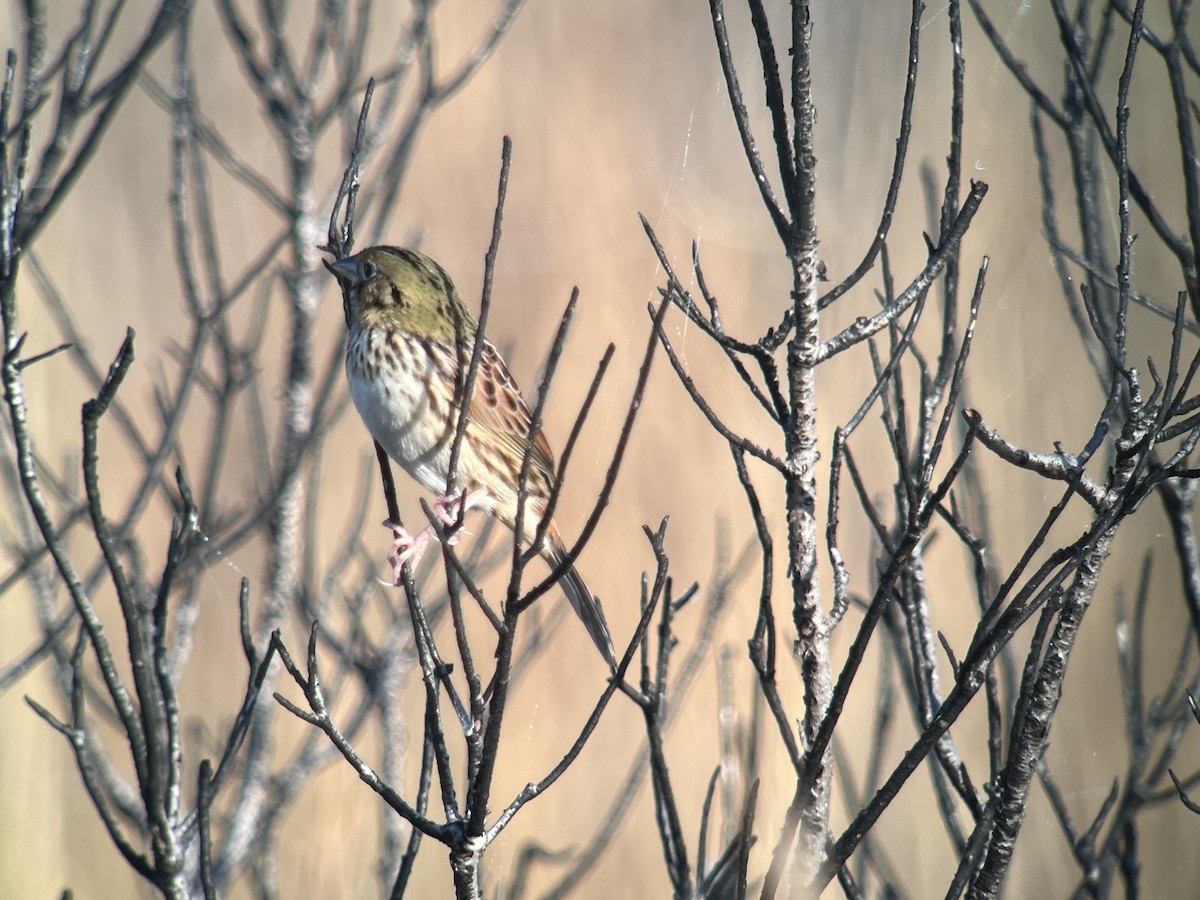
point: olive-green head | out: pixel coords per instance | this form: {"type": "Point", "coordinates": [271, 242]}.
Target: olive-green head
{"type": "Point", "coordinates": [391, 287]}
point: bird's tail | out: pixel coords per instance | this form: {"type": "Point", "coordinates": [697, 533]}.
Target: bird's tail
{"type": "Point", "coordinates": [586, 606]}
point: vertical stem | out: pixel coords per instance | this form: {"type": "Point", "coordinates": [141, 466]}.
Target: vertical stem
{"type": "Point", "coordinates": [286, 547]}
{"type": "Point", "coordinates": [812, 643]}
{"type": "Point", "coordinates": [304, 295]}
{"type": "Point", "coordinates": [465, 867]}
{"type": "Point", "coordinates": [1032, 731]}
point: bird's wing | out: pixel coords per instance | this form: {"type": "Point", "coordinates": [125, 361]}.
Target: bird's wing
{"type": "Point", "coordinates": [498, 407]}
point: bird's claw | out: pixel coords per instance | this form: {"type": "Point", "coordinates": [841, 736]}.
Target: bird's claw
{"type": "Point", "coordinates": [445, 510]}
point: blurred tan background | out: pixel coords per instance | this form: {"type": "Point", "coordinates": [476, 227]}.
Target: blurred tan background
{"type": "Point", "coordinates": [616, 109]}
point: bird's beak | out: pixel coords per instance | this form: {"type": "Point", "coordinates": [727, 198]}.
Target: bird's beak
{"type": "Point", "coordinates": [345, 270]}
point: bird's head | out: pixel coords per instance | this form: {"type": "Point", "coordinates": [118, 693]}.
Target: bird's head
{"type": "Point", "coordinates": [392, 287]}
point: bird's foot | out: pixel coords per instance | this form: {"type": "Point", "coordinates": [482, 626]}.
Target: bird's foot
{"type": "Point", "coordinates": [406, 548]}
{"type": "Point", "coordinates": [410, 549]}
{"type": "Point", "coordinates": [446, 511]}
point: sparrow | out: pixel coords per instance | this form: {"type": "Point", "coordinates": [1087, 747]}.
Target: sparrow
{"type": "Point", "coordinates": [409, 341]}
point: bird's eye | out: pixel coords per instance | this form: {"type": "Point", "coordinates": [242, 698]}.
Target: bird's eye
{"type": "Point", "coordinates": [369, 269]}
